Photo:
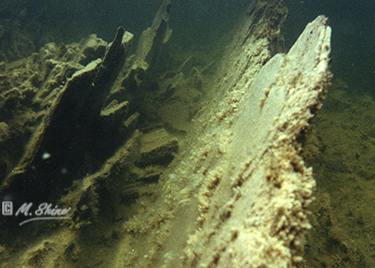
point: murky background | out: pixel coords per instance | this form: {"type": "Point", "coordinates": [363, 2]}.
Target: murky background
{"type": "Point", "coordinates": [342, 145]}
{"type": "Point", "coordinates": [37, 22]}
{"type": "Point", "coordinates": [29, 24]}
{"type": "Point", "coordinates": [353, 37]}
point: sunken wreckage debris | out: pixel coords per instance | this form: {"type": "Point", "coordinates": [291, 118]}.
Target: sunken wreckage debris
{"type": "Point", "coordinates": [81, 114]}
{"type": "Point", "coordinates": [239, 194]}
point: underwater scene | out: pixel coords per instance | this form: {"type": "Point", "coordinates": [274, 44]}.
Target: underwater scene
{"type": "Point", "coordinates": [185, 133]}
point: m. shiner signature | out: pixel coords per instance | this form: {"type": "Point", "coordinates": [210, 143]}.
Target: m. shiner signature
{"type": "Point", "coordinates": [44, 209]}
